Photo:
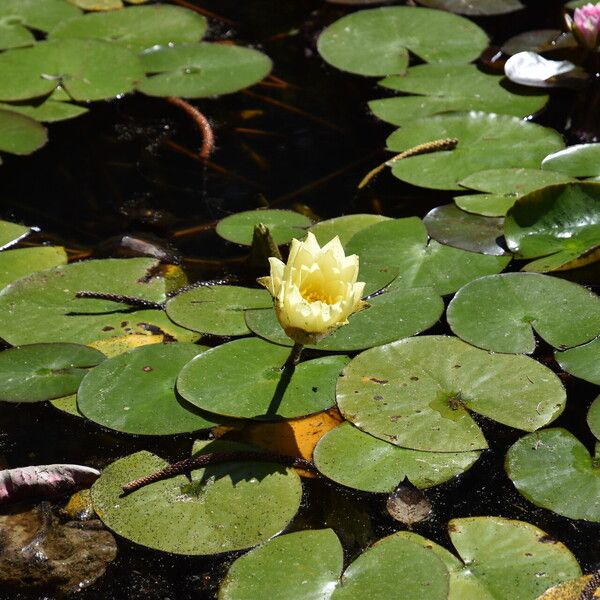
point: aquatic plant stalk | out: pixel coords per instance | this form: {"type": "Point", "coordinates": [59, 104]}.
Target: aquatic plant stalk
{"type": "Point", "coordinates": [208, 138]}
{"type": "Point", "coordinates": [130, 300]}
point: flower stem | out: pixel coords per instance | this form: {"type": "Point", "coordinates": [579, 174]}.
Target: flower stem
{"type": "Point", "coordinates": [130, 300]}
{"type": "Point", "coordinates": [294, 356]}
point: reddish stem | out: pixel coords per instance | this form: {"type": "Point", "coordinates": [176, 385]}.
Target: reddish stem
{"type": "Point", "coordinates": [208, 138]}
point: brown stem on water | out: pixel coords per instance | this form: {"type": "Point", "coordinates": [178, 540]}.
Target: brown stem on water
{"type": "Point", "coordinates": [588, 592]}
{"type": "Point", "coordinates": [202, 460]}
{"type": "Point", "coordinates": [294, 356]}
{"type": "Point", "coordinates": [426, 148]}
{"type": "Point", "coordinates": [130, 300]}
{"type": "Point", "coordinates": [208, 138]}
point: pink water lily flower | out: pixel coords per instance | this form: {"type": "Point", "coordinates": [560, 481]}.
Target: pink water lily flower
{"type": "Point", "coordinates": [585, 25]}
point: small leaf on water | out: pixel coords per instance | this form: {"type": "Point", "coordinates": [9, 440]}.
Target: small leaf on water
{"type": "Point", "coordinates": [408, 505]}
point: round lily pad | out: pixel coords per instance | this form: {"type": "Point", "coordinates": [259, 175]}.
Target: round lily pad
{"type": "Point", "coordinates": [87, 69]}
{"type": "Point", "coordinates": [43, 371]}
{"type": "Point", "coordinates": [582, 160]}
{"type": "Point", "coordinates": [400, 251]}
{"type": "Point", "coordinates": [136, 27]}
{"type": "Point", "coordinates": [303, 564]}
{"type": "Point", "coordinates": [392, 315]}
{"type": "Point", "coordinates": [501, 312]}
{"type": "Point", "coordinates": [201, 70]}
{"type": "Point", "coordinates": [418, 393]}
{"type": "Point", "coordinates": [451, 88]}
{"type": "Point", "coordinates": [505, 185]}
{"type": "Point", "coordinates": [18, 17]}
{"type": "Point", "coordinates": [547, 466]}
{"type": "Point", "coordinates": [11, 233]}
{"type": "Point", "coordinates": [47, 111]}
{"type": "Point", "coordinates": [593, 417]}
{"type": "Point", "coordinates": [42, 307]}
{"type": "Point", "coordinates": [583, 361]}
{"type": "Point", "coordinates": [283, 226]}
{"type": "Point", "coordinates": [225, 507]}
{"type": "Point", "coordinates": [20, 134]}
{"type": "Point", "coordinates": [475, 9]}
{"type": "Point", "coordinates": [98, 4]}
{"type": "Point", "coordinates": [358, 460]}
{"type": "Point", "coordinates": [451, 226]}
{"type": "Point", "coordinates": [557, 225]}
{"type": "Point", "coordinates": [243, 379]}
{"type": "Point", "coordinates": [216, 309]}
{"type": "Point", "coordinates": [344, 227]}
{"type": "Point", "coordinates": [485, 141]}
{"type": "Point", "coordinates": [24, 261]}
{"type": "Point", "coordinates": [377, 41]}
{"type": "Point", "coordinates": [134, 392]}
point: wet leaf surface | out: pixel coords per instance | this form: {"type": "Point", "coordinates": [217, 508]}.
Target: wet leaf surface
{"type": "Point", "coordinates": [19, 134]}
{"type": "Point", "coordinates": [11, 233]}
{"type": "Point", "coordinates": [407, 505]}
{"type": "Point", "coordinates": [581, 160]}
{"type": "Point", "coordinates": [475, 9]}
{"type": "Point", "coordinates": [583, 361]}
{"type": "Point", "coordinates": [24, 261]}
{"type": "Point", "coordinates": [344, 227]}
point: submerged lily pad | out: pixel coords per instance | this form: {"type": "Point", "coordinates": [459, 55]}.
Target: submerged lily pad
{"type": "Point", "coordinates": [11, 233]}
{"type": "Point", "coordinates": [24, 261]}
{"type": "Point", "coordinates": [475, 9]}
{"type": "Point", "coordinates": [18, 17]}
{"type": "Point", "coordinates": [225, 507]}
{"type": "Point", "coordinates": [582, 160]}
{"type": "Point", "coordinates": [201, 70]}
{"type": "Point", "coordinates": [303, 564]}
{"type": "Point", "coordinates": [451, 226]}
{"type": "Point", "coordinates": [505, 186]}
{"type": "Point", "coordinates": [400, 251]}
{"type": "Point", "coordinates": [87, 70]}
{"type": "Point", "coordinates": [501, 312]}
{"type": "Point", "coordinates": [42, 307]}
{"type": "Point", "coordinates": [358, 460]}
{"type": "Point", "coordinates": [344, 227]}
{"type": "Point", "coordinates": [583, 361]}
{"type": "Point", "coordinates": [418, 393]}
{"type": "Point", "coordinates": [134, 392]}
{"type": "Point", "coordinates": [255, 386]}
{"type": "Point", "coordinates": [593, 418]}
{"type": "Point", "coordinates": [548, 466]}
{"type": "Point", "coordinates": [485, 141]}
{"type": "Point", "coordinates": [43, 371]}
{"type": "Point", "coordinates": [20, 134]}
{"type": "Point", "coordinates": [391, 316]}
{"type": "Point", "coordinates": [557, 225]}
{"type": "Point", "coordinates": [136, 27]}
{"type": "Point", "coordinates": [451, 88]}
{"type": "Point", "coordinates": [216, 309]}
{"type": "Point", "coordinates": [539, 40]}
{"type": "Point", "coordinates": [377, 41]}
{"type": "Point", "coordinates": [283, 226]}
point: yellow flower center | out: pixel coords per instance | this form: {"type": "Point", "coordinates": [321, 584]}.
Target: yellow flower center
{"type": "Point", "coordinates": [314, 295]}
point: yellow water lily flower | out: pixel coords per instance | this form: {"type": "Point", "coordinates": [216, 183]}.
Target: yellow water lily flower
{"type": "Point", "coordinates": [316, 291]}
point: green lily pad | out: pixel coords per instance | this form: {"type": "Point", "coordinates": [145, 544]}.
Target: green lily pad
{"type": "Point", "coordinates": [17, 17]}
{"type": "Point", "coordinates": [43, 371]}
{"type": "Point", "coordinates": [47, 111]}
{"type": "Point", "coordinates": [18, 263]}
{"type": "Point", "coordinates": [216, 309]}
{"type": "Point", "coordinates": [42, 307]}
{"type": "Point", "coordinates": [20, 134]}
{"type": "Point", "coordinates": [400, 252]}
{"type": "Point", "coordinates": [417, 393]}
{"type": "Point", "coordinates": [283, 226]}
{"type": "Point", "coordinates": [452, 88]}
{"type": "Point", "coordinates": [303, 564]}
{"type": "Point", "coordinates": [475, 9]}
{"type": "Point", "coordinates": [11, 233]}
{"type": "Point", "coordinates": [583, 361]}
{"type": "Point", "coordinates": [87, 70]}
{"type": "Point", "coordinates": [554, 470]}
{"type": "Point", "coordinates": [451, 226]}
{"type": "Point", "coordinates": [501, 312]}
{"type": "Point", "coordinates": [593, 418]}
{"type": "Point", "coordinates": [557, 225]}
{"type": "Point", "coordinates": [485, 141]}
{"type": "Point", "coordinates": [344, 227]}
{"type": "Point", "coordinates": [252, 387]}
{"type": "Point", "coordinates": [582, 160]}
{"type": "Point", "coordinates": [225, 507]}
{"type": "Point", "coordinates": [392, 315]}
{"type": "Point", "coordinates": [136, 27]}
{"type": "Point", "coordinates": [201, 70]}
{"type": "Point", "coordinates": [377, 41]}
{"type": "Point", "coordinates": [505, 185]}
{"type": "Point", "coordinates": [134, 392]}
{"type": "Point", "coordinates": [358, 460]}
{"type": "Point", "coordinates": [98, 4]}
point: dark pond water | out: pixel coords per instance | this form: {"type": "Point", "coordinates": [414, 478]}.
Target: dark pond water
{"type": "Point", "coordinates": [301, 140]}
